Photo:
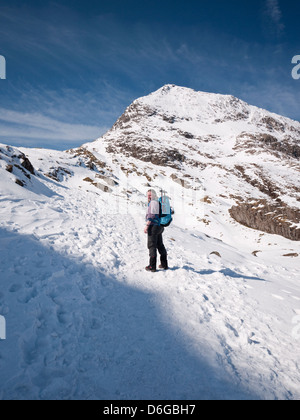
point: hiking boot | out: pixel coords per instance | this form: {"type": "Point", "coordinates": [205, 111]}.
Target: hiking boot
{"type": "Point", "coordinates": [164, 262]}
{"type": "Point", "coordinates": [151, 269]}
{"type": "Point", "coordinates": [152, 265]}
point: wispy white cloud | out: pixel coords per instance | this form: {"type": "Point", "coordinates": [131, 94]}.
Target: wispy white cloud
{"type": "Point", "coordinates": [272, 96]}
{"type": "Point", "coordinates": [60, 118]}
{"type": "Point", "coordinates": [30, 127]}
{"type": "Point", "coordinates": [274, 17]}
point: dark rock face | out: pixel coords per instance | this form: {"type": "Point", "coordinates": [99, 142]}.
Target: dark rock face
{"type": "Point", "coordinates": [139, 150]}
{"type": "Point", "coordinates": [86, 158]}
{"type": "Point", "coordinates": [288, 147]}
{"type": "Point", "coordinates": [25, 162]}
{"type": "Point", "coordinates": [270, 218]}
{"type": "Point", "coordinates": [17, 164]}
{"type": "Point", "coordinates": [58, 174]}
{"type": "Point", "coordinates": [253, 143]}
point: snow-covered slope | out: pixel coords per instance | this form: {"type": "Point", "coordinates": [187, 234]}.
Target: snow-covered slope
{"type": "Point", "coordinates": [216, 148]}
{"type": "Point", "coordinates": [84, 319]}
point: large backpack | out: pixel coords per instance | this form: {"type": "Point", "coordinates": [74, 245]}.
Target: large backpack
{"type": "Point", "coordinates": [165, 210]}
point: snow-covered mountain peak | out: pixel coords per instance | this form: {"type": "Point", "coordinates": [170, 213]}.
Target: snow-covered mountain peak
{"type": "Point", "coordinates": [188, 104]}
{"type": "Point", "coordinates": [213, 143]}
{"type": "Point", "coordinates": [86, 321]}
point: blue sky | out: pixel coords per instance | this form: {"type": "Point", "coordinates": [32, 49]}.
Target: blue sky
{"type": "Point", "coordinates": [72, 67]}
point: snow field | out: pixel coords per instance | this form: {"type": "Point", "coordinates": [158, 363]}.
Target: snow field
{"type": "Point", "coordinates": [84, 320]}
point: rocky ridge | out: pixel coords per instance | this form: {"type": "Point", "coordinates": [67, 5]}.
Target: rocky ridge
{"type": "Point", "coordinates": [251, 153]}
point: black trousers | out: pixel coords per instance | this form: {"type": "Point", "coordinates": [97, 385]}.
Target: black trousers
{"type": "Point", "coordinates": [155, 241]}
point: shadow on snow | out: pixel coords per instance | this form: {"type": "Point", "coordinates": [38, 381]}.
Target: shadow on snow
{"type": "Point", "coordinates": [226, 271]}
{"type": "Point", "coordinates": [74, 332]}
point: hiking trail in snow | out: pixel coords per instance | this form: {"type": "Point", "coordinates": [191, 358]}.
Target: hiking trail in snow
{"type": "Point", "coordinates": [84, 319]}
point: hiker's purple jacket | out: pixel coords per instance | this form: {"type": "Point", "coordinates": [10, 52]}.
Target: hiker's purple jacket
{"type": "Point", "coordinates": [153, 213]}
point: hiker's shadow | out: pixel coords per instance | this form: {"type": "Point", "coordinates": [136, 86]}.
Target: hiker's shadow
{"type": "Point", "coordinates": [226, 271]}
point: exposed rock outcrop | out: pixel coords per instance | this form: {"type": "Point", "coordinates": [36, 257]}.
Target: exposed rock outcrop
{"type": "Point", "coordinates": [270, 218]}
{"type": "Point", "coordinates": [18, 164]}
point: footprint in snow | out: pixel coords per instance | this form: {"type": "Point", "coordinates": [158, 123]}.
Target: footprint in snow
{"type": "Point", "coordinates": [27, 297]}
{"type": "Point", "coordinates": [231, 328]}
{"type": "Point", "coordinates": [277, 297]}
{"type": "Point", "coordinates": [15, 288]}
{"type": "Point", "coordinates": [290, 294]}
